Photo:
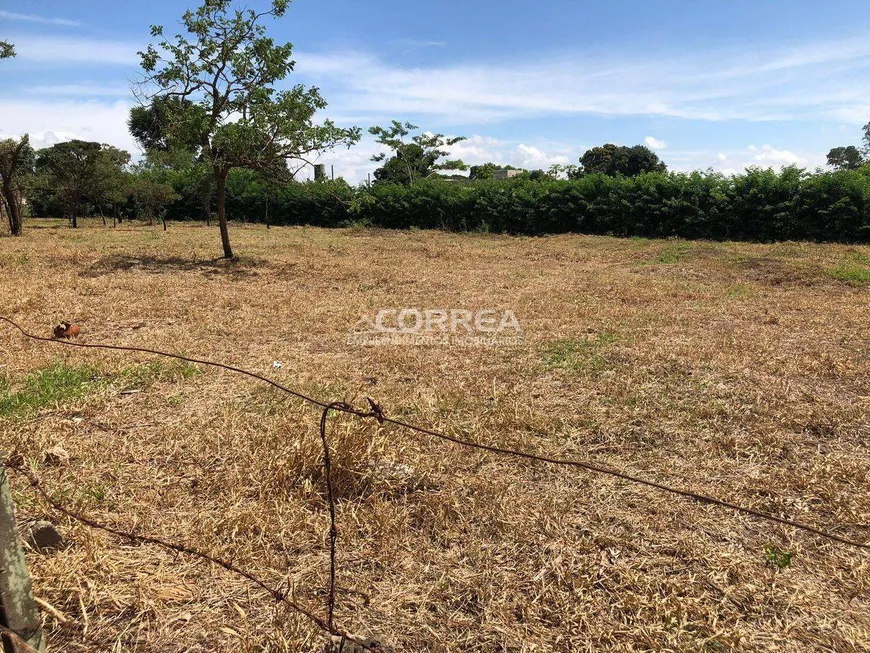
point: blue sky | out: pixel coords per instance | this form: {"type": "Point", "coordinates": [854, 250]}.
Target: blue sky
{"type": "Point", "coordinates": [704, 83]}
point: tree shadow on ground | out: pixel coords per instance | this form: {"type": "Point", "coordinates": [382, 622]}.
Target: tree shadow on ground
{"type": "Point", "coordinates": [236, 268]}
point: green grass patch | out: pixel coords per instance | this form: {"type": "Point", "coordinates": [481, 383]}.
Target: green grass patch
{"type": "Point", "coordinates": [12, 260]}
{"type": "Point", "coordinates": [61, 383]}
{"type": "Point", "coordinates": [670, 253]}
{"type": "Point", "coordinates": [777, 558]}
{"type": "Point", "coordinates": [579, 355]}
{"type": "Point", "coordinates": [142, 376]}
{"type": "Point", "coordinates": [850, 273]}
{"type": "Point", "coordinates": [673, 253]}
{"type": "Point", "coordinates": [52, 386]}
{"type": "Point", "coordinates": [860, 257]}
{"type": "Point", "coordinates": [741, 291]}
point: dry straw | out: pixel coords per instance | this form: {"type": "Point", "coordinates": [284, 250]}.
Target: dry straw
{"type": "Point", "coordinates": [739, 369]}
{"type": "Point", "coordinates": [375, 411]}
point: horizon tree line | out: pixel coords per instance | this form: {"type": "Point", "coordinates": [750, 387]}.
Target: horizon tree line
{"type": "Point", "coordinates": [208, 105]}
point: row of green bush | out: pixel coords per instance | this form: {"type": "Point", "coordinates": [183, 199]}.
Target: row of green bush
{"type": "Point", "coordinates": [759, 205]}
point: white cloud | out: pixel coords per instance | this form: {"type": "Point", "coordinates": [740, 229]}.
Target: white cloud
{"type": "Point", "coordinates": [75, 51]}
{"type": "Point", "coordinates": [418, 43]}
{"type": "Point", "coordinates": [81, 90]}
{"type": "Point", "coordinates": [766, 84]}
{"type": "Point", "coordinates": [33, 18]}
{"type": "Point", "coordinates": [355, 164]}
{"type": "Point", "coordinates": [769, 154]}
{"type": "Point", "coordinates": [476, 149]}
{"type": "Point", "coordinates": [727, 84]}
{"type": "Point", "coordinates": [531, 157]}
{"type": "Point", "coordinates": [532, 153]}
{"type": "Point", "coordinates": [480, 149]}
{"type": "Point", "coordinates": [49, 137]}
{"type": "Point", "coordinates": [736, 161]}
{"type": "Point", "coordinates": [53, 122]}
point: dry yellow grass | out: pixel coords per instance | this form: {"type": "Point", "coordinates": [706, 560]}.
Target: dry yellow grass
{"type": "Point", "coordinates": [732, 369]}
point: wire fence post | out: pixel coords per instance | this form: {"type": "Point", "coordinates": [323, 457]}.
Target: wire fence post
{"type": "Point", "coordinates": [18, 611]}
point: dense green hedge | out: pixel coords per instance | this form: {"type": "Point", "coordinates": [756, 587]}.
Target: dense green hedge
{"type": "Point", "coordinates": [761, 205]}
{"type": "Point", "coordinates": [321, 204]}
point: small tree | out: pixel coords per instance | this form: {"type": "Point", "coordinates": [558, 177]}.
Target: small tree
{"type": "Point", "coordinates": [846, 158]}
{"type": "Point", "coordinates": [16, 166]}
{"type": "Point", "coordinates": [414, 160]}
{"type": "Point", "coordinates": [215, 92]}
{"type": "Point", "coordinates": [487, 170]}
{"type": "Point", "coordinates": [559, 171]}
{"type": "Point", "coordinates": [483, 171]}
{"type": "Point", "coordinates": [152, 197]}
{"type": "Point", "coordinates": [190, 177]}
{"type": "Point", "coordinates": [81, 173]}
{"type": "Point", "coordinates": [849, 157]}
{"type": "Point", "coordinates": [9, 155]}
{"type": "Point", "coordinates": [615, 160]}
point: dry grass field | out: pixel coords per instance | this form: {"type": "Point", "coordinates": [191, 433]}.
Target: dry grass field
{"type": "Point", "coordinates": [731, 369]}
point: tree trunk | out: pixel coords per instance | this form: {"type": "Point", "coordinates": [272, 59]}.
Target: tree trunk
{"type": "Point", "coordinates": [12, 195]}
{"type": "Point", "coordinates": [75, 220]}
{"type": "Point", "coordinates": [13, 208]}
{"type": "Point", "coordinates": [15, 217]}
{"type": "Point", "coordinates": [221, 179]}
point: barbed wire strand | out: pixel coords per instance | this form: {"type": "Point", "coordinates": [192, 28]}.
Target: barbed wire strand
{"type": "Point", "coordinates": [277, 595]}
{"type": "Point", "coordinates": [66, 624]}
{"type": "Point", "coordinates": [377, 412]}
{"type": "Point", "coordinates": [15, 640]}
{"type": "Point", "coordinates": [333, 531]}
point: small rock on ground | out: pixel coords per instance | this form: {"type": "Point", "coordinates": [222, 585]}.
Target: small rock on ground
{"type": "Point", "coordinates": [56, 456]}
{"type": "Point", "coordinates": [44, 536]}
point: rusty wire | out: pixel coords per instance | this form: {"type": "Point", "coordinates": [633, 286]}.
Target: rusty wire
{"type": "Point", "coordinates": [330, 499]}
{"type": "Point", "coordinates": [276, 594]}
{"type": "Point", "coordinates": [15, 641]}
{"type": "Point", "coordinates": [375, 411]}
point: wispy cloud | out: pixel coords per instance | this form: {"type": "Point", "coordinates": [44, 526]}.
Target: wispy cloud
{"type": "Point", "coordinates": [33, 18]}
{"type": "Point", "coordinates": [417, 43]}
{"type": "Point", "coordinates": [787, 84]}
{"type": "Point", "coordinates": [81, 90]}
{"type": "Point", "coordinates": [73, 51]}
{"type": "Point", "coordinates": [763, 85]}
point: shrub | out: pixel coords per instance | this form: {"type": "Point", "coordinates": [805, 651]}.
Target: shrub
{"type": "Point", "coordinates": [757, 205]}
